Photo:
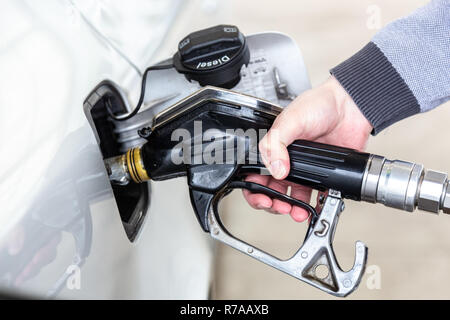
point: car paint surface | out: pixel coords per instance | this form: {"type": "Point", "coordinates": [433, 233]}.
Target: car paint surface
{"type": "Point", "coordinates": [61, 233]}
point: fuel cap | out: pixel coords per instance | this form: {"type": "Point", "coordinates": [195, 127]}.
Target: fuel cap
{"type": "Point", "coordinates": [213, 56]}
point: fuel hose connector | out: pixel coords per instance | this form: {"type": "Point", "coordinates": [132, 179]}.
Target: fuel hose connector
{"type": "Point", "coordinates": [405, 185]}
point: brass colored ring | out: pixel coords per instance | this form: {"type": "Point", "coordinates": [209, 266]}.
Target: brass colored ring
{"type": "Point", "coordinates": [135, 165]}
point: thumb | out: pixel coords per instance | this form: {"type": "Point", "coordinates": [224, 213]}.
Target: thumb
{"type": "Point", "coordinates": [273, 147]}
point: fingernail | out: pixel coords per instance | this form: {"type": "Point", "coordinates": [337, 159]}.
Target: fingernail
{"type": "Point", "coordinates": [262, 207]}
{"type": "Point", "coordinates": [277, 169]}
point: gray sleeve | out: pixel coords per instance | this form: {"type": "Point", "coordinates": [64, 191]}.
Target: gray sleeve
{"type": "Point", "coordinates": [404, 70]}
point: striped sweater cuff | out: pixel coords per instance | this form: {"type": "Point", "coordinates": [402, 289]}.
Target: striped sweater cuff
{"type": "Point", "coordinates": [376, 87]}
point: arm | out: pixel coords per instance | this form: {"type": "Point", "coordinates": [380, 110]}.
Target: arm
{"type": "Point", "coordinates": [403, 71]}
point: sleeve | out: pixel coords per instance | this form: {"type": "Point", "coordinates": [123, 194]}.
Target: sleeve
{"type": "Point", "coordinates": [404, 70]}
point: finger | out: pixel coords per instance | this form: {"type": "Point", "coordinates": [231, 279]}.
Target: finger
{"type": "Point", "coordinates": [271, 211]}
{"type": "Point", "coordinates": [278, 205]}
{"type": "Point", "coordinates": [261, 201]}
{"type": "Point", "coordinates": [287, 127]}
{"type": "Point", "coordinates": [304, 194]}
{"type": "Point", "coordinates": [274, 155]}
{"type": "Point", "coordinates": [257, 200]}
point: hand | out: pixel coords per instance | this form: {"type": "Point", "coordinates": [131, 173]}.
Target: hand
{"type": "Point", "coordinates": [324, 114]}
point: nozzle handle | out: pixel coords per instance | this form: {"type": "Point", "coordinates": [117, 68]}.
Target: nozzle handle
{"type": "Point", "coordinates": [322, 166]}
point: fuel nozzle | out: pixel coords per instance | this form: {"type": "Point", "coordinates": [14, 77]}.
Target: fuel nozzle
{"type": "Point", "coordinates": [127, 167]}
{"type": "Point", "coordinates": [398, 184]}
{"type": "Point", "coordinates": [405, 185]}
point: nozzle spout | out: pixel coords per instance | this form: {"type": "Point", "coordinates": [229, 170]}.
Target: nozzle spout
{"type": "Point", "coordinates": [117, 170]}
{"type": "Point", "coordinates": [126, 168]}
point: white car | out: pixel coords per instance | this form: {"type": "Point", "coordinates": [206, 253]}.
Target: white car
{"type": "Point", "coordinates": [64, 232]}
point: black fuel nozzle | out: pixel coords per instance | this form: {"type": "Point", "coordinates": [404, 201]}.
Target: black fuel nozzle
{"type": "Point", "coordinates": [357, 175]}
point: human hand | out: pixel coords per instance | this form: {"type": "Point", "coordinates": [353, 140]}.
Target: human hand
{"type": "Point", "coordinates": [324, 114]}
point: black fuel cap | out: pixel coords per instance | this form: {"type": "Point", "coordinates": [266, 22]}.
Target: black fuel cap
{"type": "Point", "coordinates": [213, 56]}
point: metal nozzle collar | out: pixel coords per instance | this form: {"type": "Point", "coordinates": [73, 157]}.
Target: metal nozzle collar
{"type": "Point", "coordinates": [445, 200]}
{"type": "Point", "coordinates": [118, 170]}
{"type": "Point", "coordinates": [405, 185]}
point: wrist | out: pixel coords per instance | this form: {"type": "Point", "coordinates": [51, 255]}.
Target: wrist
{"type": "Point", "coordinates": [347, 108]}
{"type": "Point", "coordinates": [377, 88]}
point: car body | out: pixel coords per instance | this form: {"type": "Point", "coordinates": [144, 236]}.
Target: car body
{"type": "Point", "coordinates": [61, 234]}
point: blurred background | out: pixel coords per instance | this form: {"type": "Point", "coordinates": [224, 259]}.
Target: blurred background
{"type": "Point", "coordinates": [409, 253]}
